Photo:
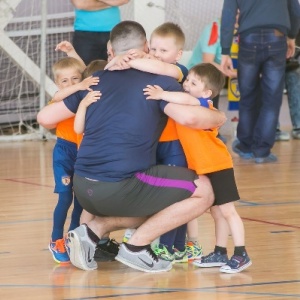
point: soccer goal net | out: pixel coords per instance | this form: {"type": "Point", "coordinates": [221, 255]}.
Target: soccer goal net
{"type": "Point", "coordinates": [28, 37]}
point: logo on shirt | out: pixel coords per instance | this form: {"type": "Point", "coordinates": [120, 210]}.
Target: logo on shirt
{"type": "Point", "coordinates": [66, 180]}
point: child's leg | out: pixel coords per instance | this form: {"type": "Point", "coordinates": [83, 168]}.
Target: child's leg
{"type": "Point", "coordinates": [168, 239]}
{"type": "Point", "coordinates": [180, 251]}
{"type": "Point", "coordinates": [221, 226]}
{"type": "Point", "coordinates": [60, 214]}
{"type": "Point", "coordinates": [76, 213]}
{"type": "Point", "coordinates": [240, 259]}
{"type": "Point", "coordinates": [192, 231]}
{"type": "Point", "coordinates": [179, 241]}
{"type": "Point", "coordinates": [57, 244]}
{"type": "Point", "coordinates": [194, 250]}
{"type": "Point", "coordinates": [218, 257]}
{"type": "Point", "coordinates": [235, 223]}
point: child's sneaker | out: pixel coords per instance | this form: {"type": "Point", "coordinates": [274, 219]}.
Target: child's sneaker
{"type": "Point", "coordinates": [106, 251]}
{"type": "Point", "coordinates": [237, 264]}
{"type": "Point", "coordinates": [214, 259]}
{"type": "Point", "coordinates": [194, 251]}
{"type": "Point", "coordinates": [180, 256]}
{"type": "Point", "coordinates": [59, 252]}
{"type": "Point", "coordinates": [162, 252]}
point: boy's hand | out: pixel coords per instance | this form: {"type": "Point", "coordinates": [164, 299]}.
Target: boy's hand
{"type": "Point", "coordinates": [65, 46]}
{"type": "Point", "coordinates": [136, 53]}
{"type": "Point", "coordinates": [87, 82]}
{"type": "Point", "coordinates": [119, 62]}
{"type": "Point", "coordinates": [90, 98]}
{"type": "Point", "coordinates": [154, 92]}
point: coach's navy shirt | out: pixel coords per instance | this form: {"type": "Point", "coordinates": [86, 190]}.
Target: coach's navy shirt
{"type": "Point", "coordinates": [122, 128]}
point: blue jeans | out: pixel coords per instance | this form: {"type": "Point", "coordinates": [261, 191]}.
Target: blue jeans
{"type": "Point", "coordinates": [261, 71]}
{"type": "Point", "coordinates": [292, 80]}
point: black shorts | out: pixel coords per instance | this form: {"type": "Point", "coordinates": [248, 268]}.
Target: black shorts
{"type": "Point", "coordinates": [143, 194]}
{"type": "Point", "coordinates": [224, 186]}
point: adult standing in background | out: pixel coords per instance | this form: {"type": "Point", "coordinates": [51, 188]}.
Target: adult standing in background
{"type": "Point", "coordinates": [267, 31]}
{"type": "Point", "coordinates": [292, 81]}
{"type": "Point", "coordinates": [94, 20]}
{"type": "Point", "coordinates": [208, 49]}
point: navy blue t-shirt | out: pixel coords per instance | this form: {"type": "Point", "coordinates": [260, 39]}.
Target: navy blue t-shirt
{"type": "Point", "coordinates": [122, 128]}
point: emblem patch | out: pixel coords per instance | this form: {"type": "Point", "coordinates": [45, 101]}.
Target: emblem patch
{"type": "Point", "coordinates": [66, 180]}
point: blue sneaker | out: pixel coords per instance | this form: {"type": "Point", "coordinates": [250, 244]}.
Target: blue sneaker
{"type": "Point", "coordinates": [59, 252]}
{"type": "Point", "coordinates": [243, 155]}
{"type": "Point", "coordinates": [268, 159]}
{"type": "Point", "coordinates": [214, 259]}
{"type": "Point", "coordinates": [237, 264]}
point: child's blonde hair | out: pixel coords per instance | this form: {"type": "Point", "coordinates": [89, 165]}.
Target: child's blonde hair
{"type": "Point", "coordinates": [211, 76]}
{"type": "Point", "coordinates": [65, 63]}
{"type": "Point", "coordinates": [94, 66]}
{"type": "Point", "coordinates": [170, 29]}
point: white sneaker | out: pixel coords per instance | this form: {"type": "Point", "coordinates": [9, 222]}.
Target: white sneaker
{"type": "Point", "coordinates": [282, 136]}
{"type": "Point", "coordinates": [81, 248]}
{"type": "Point", "coordinates": [296, 134]}
{"type": "Point", "coordinates": [144, 260]}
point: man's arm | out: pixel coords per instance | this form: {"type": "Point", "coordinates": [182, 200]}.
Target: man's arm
{"type": "Point", "coordinates": [197, 117]}
{"type": "Point", "coordinates": [51, 115]}
{"type": "Point", "coordinates": [97, 5]}
{"type": "Point", "coordinates": [228, 20]}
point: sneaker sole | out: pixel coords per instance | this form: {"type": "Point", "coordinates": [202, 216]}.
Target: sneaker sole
{"type": "Point", "coordinates": [233, 271]}
{"type": "Point", "coordinates": [130, 264]}
{"type": "Point", "coordinates": [76, 254]}
{"type": "Point", "coordinates": [195, 258]}
{"type": "Point", "coordinates": [181, 261]}
{"type": "Point", "coordinates": [208, 265]}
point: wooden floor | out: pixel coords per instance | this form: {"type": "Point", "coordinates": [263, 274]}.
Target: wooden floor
{"type": "Point", "coordinates": [270, 208]}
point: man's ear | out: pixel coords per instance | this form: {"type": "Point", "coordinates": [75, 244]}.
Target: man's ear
{"type": "Point", "coordinates": [146, 47]}
{"type": "Point", "coordinates": [110, 52]}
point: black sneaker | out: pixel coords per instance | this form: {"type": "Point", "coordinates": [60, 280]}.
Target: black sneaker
{"type": "Point", "coordinates": [107, 251]}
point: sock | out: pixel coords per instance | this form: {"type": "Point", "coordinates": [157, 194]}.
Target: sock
{"type": "Point", "coordinates": [103, 241]}
{"type": "Point", "coordinates": [134, 248]}
{"type": "Point", "coordinates": [92, 235]}
{"type": "Point", "coordinates": [221, 250]}
{"type": "Point", "coordinates": [239, 251]}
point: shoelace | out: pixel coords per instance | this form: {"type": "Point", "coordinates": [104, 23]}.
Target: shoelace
{"type": "Point", "coordinates": [152, 253]}
{"type": "Point", "coordinates": [60, 245]}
